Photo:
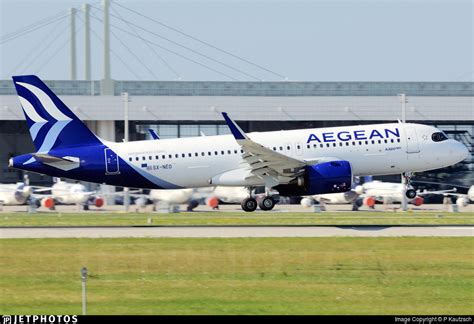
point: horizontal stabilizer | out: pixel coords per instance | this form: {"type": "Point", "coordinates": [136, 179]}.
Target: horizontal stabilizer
{"type": "Point", "coordinates": [48, 158]}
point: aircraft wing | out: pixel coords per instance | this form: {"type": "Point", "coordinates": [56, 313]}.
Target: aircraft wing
{"type": "Point", "coordinates": [450, 192]}
{"type": "Point", "coordinates": [263, 161]}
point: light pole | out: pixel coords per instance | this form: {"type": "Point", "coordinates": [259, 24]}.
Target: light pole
{"type": "Point", "coordinates": [126, 194]}
{"type": "Point", "coordinates": [404, 100]}
{"type": "Point", "coordinates": [84, 272]}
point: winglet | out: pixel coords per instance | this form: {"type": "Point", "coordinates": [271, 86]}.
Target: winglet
{"type": "Point", "coordinates": [153, 134]}
{"type": "Point", "coordinates": [234, 128]}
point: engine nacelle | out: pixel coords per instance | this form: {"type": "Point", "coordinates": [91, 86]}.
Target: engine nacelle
{"type": "Point", "coordinates": [141, 202]}
{"type": "Point", "coordinates": [323, 178]}
{"type": "Point", "coordinates": [307, 202]}
{"type": "Point", "coordinates": [99, 202]}
{"type": "Point", "coordinates": [47, 202]}
{"type": "Point", "coordinates": [212, 202]}
{"type": "Point", "coordinates": [462, 202]}
{"type": "Point", "coordinates": [369, 201]}
{"type": "Point", "coordinates": [418, 201]}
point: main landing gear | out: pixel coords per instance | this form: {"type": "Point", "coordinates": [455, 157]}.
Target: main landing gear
{"type": "Point", "coordinates": [250, 204]}
{"type": "Point", "coordinates": [409, 193]}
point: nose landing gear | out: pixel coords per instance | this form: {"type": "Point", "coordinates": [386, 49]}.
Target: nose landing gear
{"type": "Point", "coordinates": [409, 193]}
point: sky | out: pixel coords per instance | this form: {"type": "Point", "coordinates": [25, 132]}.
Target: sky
{"type": "Point", "coordinates": [284, 40]}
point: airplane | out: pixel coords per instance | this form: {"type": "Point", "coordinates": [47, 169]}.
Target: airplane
{"type": "Point", "coordinates": [190, 196]}
{"type": "Point", "coordinates": [347, 197]}
{"type": "Point", "coordinates": [386, 192]}
{"type": "Point", "coordinates": [295, 162]}
{"type": "Point", "coordinates": [371, 192]}
{"type": "Point", "coordinates": [66, 193]}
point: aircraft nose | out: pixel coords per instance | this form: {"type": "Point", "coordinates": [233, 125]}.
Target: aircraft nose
{"type": "Point", "coordinates": [459, 151]}
{"type": "Point", "coordinates": [463, 151]}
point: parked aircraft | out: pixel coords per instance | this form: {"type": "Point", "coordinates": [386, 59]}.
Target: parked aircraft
{"type": "Point", "coordinates": [66, 193]}
{"type": "Point", "coordinates": [297, 162]}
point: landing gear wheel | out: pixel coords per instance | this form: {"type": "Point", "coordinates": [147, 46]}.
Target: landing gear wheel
{"type": "Point", "coordinates": [267, 203]}
{"type": "Point", "coordinates": [249, 204]}
{"type": "Point", "coordinates": [410, 193]}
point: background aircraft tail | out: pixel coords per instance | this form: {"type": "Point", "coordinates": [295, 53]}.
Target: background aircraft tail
{"type": "Point", "coordinates": [51, 123]}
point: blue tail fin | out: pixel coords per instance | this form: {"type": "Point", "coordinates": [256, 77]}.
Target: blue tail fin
{"type": "Point", "coordinates": [51, 123]}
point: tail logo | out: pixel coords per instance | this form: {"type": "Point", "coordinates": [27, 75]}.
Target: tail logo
{"type": "Point", "coordinates": [58, 119]}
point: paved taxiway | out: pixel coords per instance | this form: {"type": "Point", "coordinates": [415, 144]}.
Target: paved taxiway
{"type": "Point", "coordinates": [234, 231]}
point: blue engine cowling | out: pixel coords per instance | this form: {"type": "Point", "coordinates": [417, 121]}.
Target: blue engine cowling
{"type": "Point", "coordinates": [323, 178]}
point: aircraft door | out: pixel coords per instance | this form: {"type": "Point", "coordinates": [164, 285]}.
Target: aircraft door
{"type": "Point", "coordinates": [412, 140]}
{"type": "Point", "coordinates": [111, 162]}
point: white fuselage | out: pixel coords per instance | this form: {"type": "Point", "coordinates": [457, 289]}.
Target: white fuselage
{"type": "Point", "coordinates": [216, 160]}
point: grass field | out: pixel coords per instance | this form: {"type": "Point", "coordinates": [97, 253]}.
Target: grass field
{"type": "Point", "coordinates": [234, 218]}
{"type": "Point", "coordinates": [239, 276]}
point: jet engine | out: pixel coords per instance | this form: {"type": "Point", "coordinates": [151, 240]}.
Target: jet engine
{"type": "Point", "coordinates": [307, 202]}
{"type": "Point", "coordinates": [418, 201]}
{"type": "Point", "coordinates": [322, 178]}
{"type": "Point", "coordinates": [141, 202]}
{"type": "Point", "coordinates": [369, 201]}
{"type": "Point", "coordinates": [212, 202]}
{"type": "Point", "coordinates": [462, 202]}
{"type": "Point", "coordinates": [47, 202]}
{"type": "Point", "coordinates": [98, 202]}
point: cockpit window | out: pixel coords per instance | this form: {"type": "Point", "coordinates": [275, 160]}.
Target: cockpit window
{"type": "Point", "coordinates": [438, 137]}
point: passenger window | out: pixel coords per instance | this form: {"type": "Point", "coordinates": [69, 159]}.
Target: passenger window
{"type": "Point", "coordinates": [149, 158]}
{"type": "Point", "coordinates": [216, 153]}
{"type": "Point", "coordinates": [398, 140]}
{"type": "Point", "coordinates": [143, 158]}
{"type": "Point", "coordinates": [340, 143]}
{"type": "Point", "coordinates": [209, 153]}
{"type": "Point", "coordinates": [308, 146]}
{"type": "Point", "coordinates": [373, 142]}
{"type": "Point", "coordinates": [281, 148]}
{"type": "Point", "coordinates": [321, 145]}
{"type": "Point", "coordinates": [163, 156]}
{"type": "Point", "coordinates": [347, 143]}
{"type": "Point", "coordinates": [385, 141]}
{"type": "Point", "coordinates": [170, 156]}
{"type": "Point", "coordinates": [229, 152]}
{"type": "Point", "coordinates": [391, 141]}
{"type": "Point", "coordinates": [202, 153]}
{"type": "Point", "coordinates": [327, 145]}
{"type": "Point", "coordinates": [130, 159]}
{"type": "Point", "coordinates": [157, 157]}
{"type": "Point", "coordinates": [334, 144]}
{"type": "Point", "coordinates": [380, 141]}
{"type": "Point", "coordinates": [183, 155]}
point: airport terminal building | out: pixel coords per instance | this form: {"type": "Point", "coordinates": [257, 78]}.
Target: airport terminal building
{"type": "Point", "coordinates": [193, 108]}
